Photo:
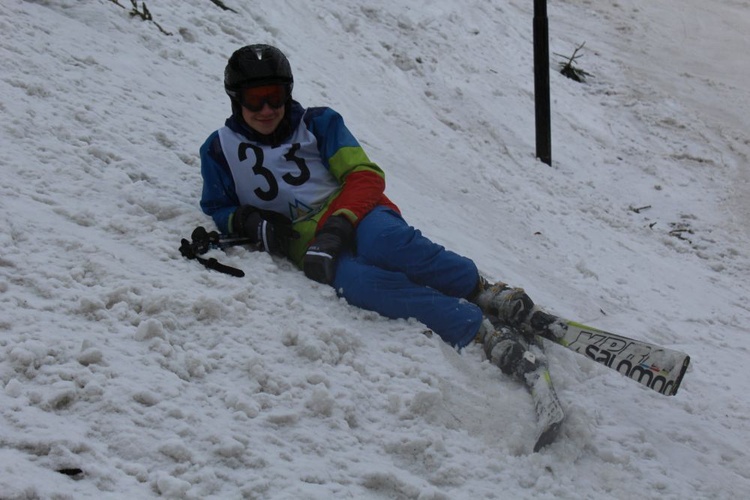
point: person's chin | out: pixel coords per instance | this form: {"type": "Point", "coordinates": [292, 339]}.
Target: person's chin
{"type": "Point", "coordinates": [264, 128]}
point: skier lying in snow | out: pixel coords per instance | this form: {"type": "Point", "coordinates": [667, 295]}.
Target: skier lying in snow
{"type": "Point", "coordinates": [297, 182]}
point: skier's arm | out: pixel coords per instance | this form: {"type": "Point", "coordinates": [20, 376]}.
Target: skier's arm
{"type": "Point", "coordinates": [362, 188]}
{"type": "Point", "coordinates": [218, 199]}
{"type": "Point", "coordinates": [362, 181]}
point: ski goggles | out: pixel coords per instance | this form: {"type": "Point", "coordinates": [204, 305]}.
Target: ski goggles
{"type": "Point", "coordinates": [255, 98]}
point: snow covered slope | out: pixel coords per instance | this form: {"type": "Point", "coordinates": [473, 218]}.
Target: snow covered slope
{"type": "Point", "coordinates": [155, 377]}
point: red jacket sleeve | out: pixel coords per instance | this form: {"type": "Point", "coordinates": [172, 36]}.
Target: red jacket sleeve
{"type": "Point", "coordinates": [361, 192]}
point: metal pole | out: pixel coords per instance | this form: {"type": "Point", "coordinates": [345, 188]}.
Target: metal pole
{"type": "Point", "coordinates": [541, 82]}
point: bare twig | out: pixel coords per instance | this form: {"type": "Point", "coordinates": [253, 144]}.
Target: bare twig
{"type": "Point", "coordinates": [679, 233]}
{"type": "Point", "coordinates": [220, 4]}
{"type": "Point", "coordinates": [639, 209]}
{"type": "Point", "coordinates": [567, 68]}
{"type": "Point", "coordinates": [145, 15]}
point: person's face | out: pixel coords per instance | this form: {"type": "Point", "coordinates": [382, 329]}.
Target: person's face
{"type": "Point", "coordinates": [263, 107]}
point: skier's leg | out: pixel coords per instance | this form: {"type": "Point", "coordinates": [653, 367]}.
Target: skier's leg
{"type": "Point", "coordinates": [385, 240]}
{"type": "Point", "coordinates": [394, 295]}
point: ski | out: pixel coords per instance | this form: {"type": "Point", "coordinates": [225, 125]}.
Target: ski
{"type": "Point", "coordinates": [658, 368]}
{"type": "Point", "coordinates": [522, 357]}
{"type": "Point", "coordinates": [549, 411]}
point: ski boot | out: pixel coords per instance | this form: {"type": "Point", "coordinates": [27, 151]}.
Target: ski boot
{"type": "Point", "coordinates": [509, 305]}
{"type": "Point", "coordinates": [506, 348]}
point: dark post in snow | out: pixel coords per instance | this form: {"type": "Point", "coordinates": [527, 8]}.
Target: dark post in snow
{"type": "Point", "coordinates": [541, 82]}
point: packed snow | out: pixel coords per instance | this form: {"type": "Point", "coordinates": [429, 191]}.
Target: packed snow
{"type": "Point", "coordinates": [128, 371]}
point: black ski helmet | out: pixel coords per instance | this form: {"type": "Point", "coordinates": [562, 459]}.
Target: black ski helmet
{"type": "Point", "coordinates": [256, 65]}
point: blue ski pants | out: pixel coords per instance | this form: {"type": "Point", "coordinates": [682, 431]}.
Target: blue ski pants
{"type": "Point", "coordinates": [397, 272]}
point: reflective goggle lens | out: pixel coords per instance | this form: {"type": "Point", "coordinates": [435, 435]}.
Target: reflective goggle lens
{"type": "Point", "coordinates": [256, 97]}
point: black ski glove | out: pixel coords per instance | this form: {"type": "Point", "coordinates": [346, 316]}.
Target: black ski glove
{"type": "Point", "coordinates": [271, 231]}
{"type": "Point", "coordinates": [320, 260]}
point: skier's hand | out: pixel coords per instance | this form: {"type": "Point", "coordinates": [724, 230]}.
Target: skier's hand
{"type": "Point", "coordinates": [270, 230]}
{"type": "Point", "coordinates": [335, 236]}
